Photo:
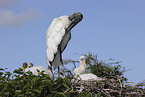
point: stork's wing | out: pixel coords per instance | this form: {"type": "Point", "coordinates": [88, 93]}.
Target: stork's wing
{"type": "Point", "coordinates": [66, 39]}
{"type": "Point", "coordinates": [54, 37]}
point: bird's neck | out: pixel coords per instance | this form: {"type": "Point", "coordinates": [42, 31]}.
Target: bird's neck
{"type": "Point", "coordinates": [82, 66]}
{"type": "Point", "coordinates": [65, 21]}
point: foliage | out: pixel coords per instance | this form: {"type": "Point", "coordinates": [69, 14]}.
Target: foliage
{"type": "Point", "coordinates": [102, 69]}
{"type": "Point", "coordinates": [115, 84]}
{"type": "Point", "coordinates": [34, 86]}
{"type": "Point", "coordinates": [19, 84]}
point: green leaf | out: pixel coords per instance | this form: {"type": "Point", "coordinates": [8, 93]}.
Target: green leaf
{"type": "Point", "coordinates": [36, 90]}
{"type": "Point", "coordinates": [61, 73]}
{"type": "Point", "coordinates": [19, 95]}
{"type": "Point", "coordinates": [58, 86]}
{"type": "Point", "coordinates": [29, 92]}
{"type": "Point", "coordinates": [18, 91]}
{"type": "Point", "coordinates": [1, 69]}
{"type": "Point", "coordinates": [8, 73]}
{"type": "Point", "coordinates": [61, 93]}
{"type": "Point", "coordinates": [1, 73]}
{"type": "Point", "coordinates": [59, 79]}
{"type": "Point", "coordinates": [71, 91]}
{"type": "Point", "coordinates": [50, 88]}
{"type": "Point", "coordinates": [50, 95]}
{"type": "Point", "coordinates": [66, 85]}
{"type": "Point", "coordinates": [18, 71]}
{"type": "Point", "coordinates": [38, 70]}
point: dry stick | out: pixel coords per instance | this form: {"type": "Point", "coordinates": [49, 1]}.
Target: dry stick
{"type": "Point", "coordinates": [66, 90]}
{"type": "Point", "coordinates": [120, 85]}
{"type": "Point", "coordinates": [106, 92]}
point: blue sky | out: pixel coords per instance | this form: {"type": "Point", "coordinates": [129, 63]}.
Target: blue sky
{"type": "Point", "coordinates": [112, 29]}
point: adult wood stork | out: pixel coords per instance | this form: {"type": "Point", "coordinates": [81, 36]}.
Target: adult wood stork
{"type": "Point", "coordinates": [58, 36]}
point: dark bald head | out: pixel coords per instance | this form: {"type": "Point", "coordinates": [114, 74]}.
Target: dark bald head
{"type": "Point", "coordinates": [75, 19]}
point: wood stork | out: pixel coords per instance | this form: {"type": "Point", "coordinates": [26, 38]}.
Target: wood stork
{"type": "Point", "coordinates": [80, 74]}
{"type": "Point", "coordinates": [24, 66]}
{"type": "Point", "coordinates": [40, 68]}
{"type": "Point", "coordinates": [82, 68]}
{"type": "Point", "coordinates": [58, 36]}
{"type": "Point", "coordinates": [89, 77]}
{"type": "Point", "coordinates": [34, 69]}
{"type": "Point", "coordinates": [30, 65]}
{"type": "Point", "coordinates": [80, 71]}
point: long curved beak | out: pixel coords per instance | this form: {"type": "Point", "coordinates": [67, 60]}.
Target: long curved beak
{"type": "Point", "coordinates": [75, 19]}
{"type": "Point", "coordinates": [84, 63]}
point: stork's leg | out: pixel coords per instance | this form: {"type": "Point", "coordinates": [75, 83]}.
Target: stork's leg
{"type": "Point", "coordinates": [61, 63]}
{"type": "Point", "coordinates": [58, 71]}
{"type": "Point", "coordinates": [51, 69]}
{"type": "Point", "coordinates": [62, 69]}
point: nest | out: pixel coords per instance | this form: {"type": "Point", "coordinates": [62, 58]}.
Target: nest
{"type": "Point", "coordinates": [106, 87]}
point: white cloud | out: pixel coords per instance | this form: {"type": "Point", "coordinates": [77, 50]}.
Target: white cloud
{"type": "Point", "coordinates": [7, 3]}
{"type": "Point", "coordinates": [8, 17]}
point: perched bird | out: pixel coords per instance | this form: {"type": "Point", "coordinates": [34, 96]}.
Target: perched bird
{"type": "Point", "coordinates": [80, 72]}
{"type": "Point", "coordinates": [40, 68]}
{"type": "Point", "coordinates": [34, 69]}
{"type": "Point", "coordinates": [82, 68]}
{"type": "Point", "coordinates": [89, 77]}
{"type": "Point", "coordinates": [24, 66]}
{"type": "Point", "coordinates": [30, 65]}
{"type": "Point", "coordinates": [58, 35]}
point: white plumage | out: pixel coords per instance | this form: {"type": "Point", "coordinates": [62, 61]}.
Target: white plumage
{"type": "Point", "coordinates": [41, 68]}
{"type": "Point", "coordinates": [54, 36]}
{"type": "Point", "coordinates": [58, 36]}
{"type": "Point", "coordinates": [80, 71]}
{"type": "Point", "coordinates": [89, 77]}
{"type": "Point", "coordinates": [80, 74]}
{"type": "Point", "coordinates": [82, 68]}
